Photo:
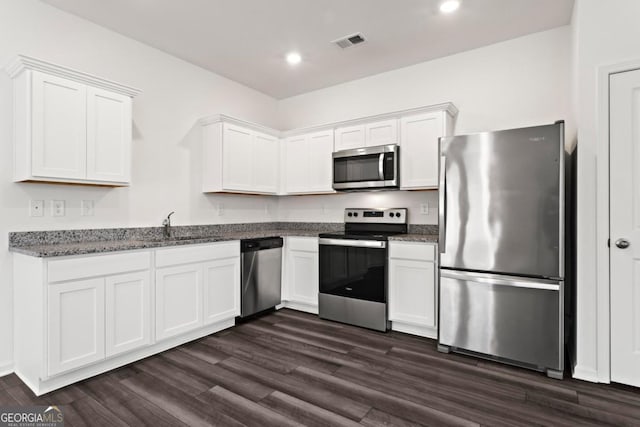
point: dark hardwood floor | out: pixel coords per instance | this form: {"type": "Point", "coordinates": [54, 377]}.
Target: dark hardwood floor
{"type": "Point", "coordinates": [291, 368]}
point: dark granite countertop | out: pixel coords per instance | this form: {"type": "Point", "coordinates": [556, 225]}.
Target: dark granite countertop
{"type": "Point", "coordinates": [81, 242]}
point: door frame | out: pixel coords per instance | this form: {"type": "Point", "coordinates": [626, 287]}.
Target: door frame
{"type": "Point", "coordinates": [603, 218]}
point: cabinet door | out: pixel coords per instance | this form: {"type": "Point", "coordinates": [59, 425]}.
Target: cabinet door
{"type": "Point", "coordinates": [59, 139]}
{"type": "Point", "coordinates": [296, 174]}
{"type": "Point", "coordinates": [412, 292]}
{"type": "Point", "coordinates": [237, 158]}
{"type": "Point", "coordinates": [178, 299]}
{"type": "Point", "coordinates": [303, 277]}
{"type": "Point", "coordinates": [381, 133]}
{"type": "Point", "coordinates": [349, 137]}
{"type": "Point", "coordinates": [265, 160]}
{"type": "Point", "coordinates": [76, 324]}
{"type": "Point", "coordinates": [108, 136]}
{"type": "Point", "coordinates": [221, 290]}
{"type": "Point", "coordinates": [320, 167]}
{"type": "Point", "coordinates": [419, 152]}
{"type": "Point", "coordinates": [128, 312]}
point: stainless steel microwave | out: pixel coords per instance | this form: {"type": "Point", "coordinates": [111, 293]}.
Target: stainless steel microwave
{"type": "Point", "coordinates": [367, 168]}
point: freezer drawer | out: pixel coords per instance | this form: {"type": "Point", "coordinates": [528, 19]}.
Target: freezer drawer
{"type": "Point", "coordinates": [503, 316]}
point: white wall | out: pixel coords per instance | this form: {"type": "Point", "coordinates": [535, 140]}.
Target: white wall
{"type": "Point", "coordinates": [165, 149]}
{"type": "Point", "coordinates": [605, 33]}
{"type": "Point", "coordinates": [521, 82]}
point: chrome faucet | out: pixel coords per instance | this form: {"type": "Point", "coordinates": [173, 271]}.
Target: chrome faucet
{"type": "Point", "coordinates": [167, 225]}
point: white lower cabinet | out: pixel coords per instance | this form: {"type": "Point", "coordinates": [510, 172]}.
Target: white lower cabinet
{"type": "Point", "coordinates": [76, 324]}
{"type": "Point", "coordinates": [221, 289]}
{"type": "Point", "coordinates": [128, 312]}
{"type": "Point", "coordinates": [78, 316]}
{"type": "Point", "coordinates": [301, 275]}
{"type": "Point", "coordinates": [413, 292]}
{"type": "Point", "coordinates": [178, 299]}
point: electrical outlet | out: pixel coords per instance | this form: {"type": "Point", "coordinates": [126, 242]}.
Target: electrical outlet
{"type": "Point", "coordinates": [87, 208]}
{"type": "Point", "coordinates": [424, 208]}
{"type": "Point", "coordinates": [36, 208]}
{"type": "Point", "coordinates": [57, 208]}
{"type": "Point", "coordinates": [220, 209]}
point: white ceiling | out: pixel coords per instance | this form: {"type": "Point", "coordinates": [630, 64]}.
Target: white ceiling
{"type": "Point", "coordinates": [246, 40]}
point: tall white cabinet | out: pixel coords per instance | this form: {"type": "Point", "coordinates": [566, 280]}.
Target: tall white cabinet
{"type": "Point", "coordinates": [70, 126]}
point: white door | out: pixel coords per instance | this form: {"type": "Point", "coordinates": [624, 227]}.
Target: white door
{"type": "Point", "coordinates": [108, 136]}
{"type": "Point", "coordinates": [178, 300]}
{"type": "Point", "coordinates": [296, 174]}
{"type": "Point", "coordinates": [76, 324]}
{"type": "Point", "coordinates": [128, 312]}
{"type": "Point", "coordinates": [350, 137]}
{"type": "Point", "coordinates": [412, 292]}
{"type": "Point", "coordinates": [419, 150]}
{"type": "Point", "coordinates": [625, 226]}
{"type": "Point", "coordinates": [59, 140]}
{"type": "Point", "coordinates": [381, 133]}
{"type": "Point", "coordinates": [237, 158]}
{"type": "Point", "coordinates": [320, 162]}
{"type": "Point", "coordinates": [265, 160]}
{"type": "Point", "coordinates": [221, 290]}
{"type": "Point", "coordinates": [303, 277]}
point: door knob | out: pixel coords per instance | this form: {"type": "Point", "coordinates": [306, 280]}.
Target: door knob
{"type": "Point", "coordinates": [623, 243]}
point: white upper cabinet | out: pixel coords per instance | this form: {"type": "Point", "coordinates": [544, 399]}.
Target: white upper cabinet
{"type": "Point", "coordinates": [349, 137]}
{"type": "Point", "coordinates": [381, 132]}
{"type": "Point", "coordinates": [238, 158]}
{"type": "Point", "coordinates": [419, 158]}
{"type": "Point", "coordinates": [69, 126]}
{"type": "Point", "coordinates": [307, 163]}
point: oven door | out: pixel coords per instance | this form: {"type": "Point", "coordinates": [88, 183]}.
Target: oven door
{"type": "Point", "coordinates": [370, 167]}
{"type": "Point", "coordinates": [354, 269]}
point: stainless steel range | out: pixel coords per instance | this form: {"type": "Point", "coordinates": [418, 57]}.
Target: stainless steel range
{"type": "Point", "coordinates": [353, 267]}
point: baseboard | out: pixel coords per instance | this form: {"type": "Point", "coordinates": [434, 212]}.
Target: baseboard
{"type": "Point", "coordinates": [301, 306]}
{"type": "Point", "coordinates": [408, 328]}
{"type": "Point", "coordinates": [6, 369]}
{"type": "Point", "coordinates": [585, 374]}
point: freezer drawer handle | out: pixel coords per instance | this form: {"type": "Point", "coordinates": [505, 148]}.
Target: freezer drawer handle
{"type": "Point", "coordinates": [492, 280]}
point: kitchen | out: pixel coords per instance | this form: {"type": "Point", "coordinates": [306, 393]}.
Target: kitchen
{"type": "Point", "coordinates": [531, 80]}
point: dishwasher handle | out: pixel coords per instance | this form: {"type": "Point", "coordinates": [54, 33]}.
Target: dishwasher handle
{"type": "Point", "coordinates": [261, 244]}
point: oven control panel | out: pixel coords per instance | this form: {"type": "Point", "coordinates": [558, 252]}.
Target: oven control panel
{"type": "Point", "coordinates": [380, 216]}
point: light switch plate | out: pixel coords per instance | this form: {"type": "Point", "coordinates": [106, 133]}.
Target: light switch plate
{"type": "Point", "coordinates": [87, 208]}
{"type": "Point", "coordinates": [57, 208]}
{"type": "Point", "coordinates": [36, 207]}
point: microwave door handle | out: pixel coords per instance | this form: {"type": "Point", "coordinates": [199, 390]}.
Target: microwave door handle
{"type": "Point", "coordinates": [381, 166]}
{"type": "Point", "coordinates": [442, 206]}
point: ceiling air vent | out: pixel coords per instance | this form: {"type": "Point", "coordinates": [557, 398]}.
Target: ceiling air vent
{"type": "Point", "coordinates": [348, 41]}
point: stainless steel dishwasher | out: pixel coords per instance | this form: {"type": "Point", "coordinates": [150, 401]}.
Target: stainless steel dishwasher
{"type": "Point", "coordinates": [261, 265]}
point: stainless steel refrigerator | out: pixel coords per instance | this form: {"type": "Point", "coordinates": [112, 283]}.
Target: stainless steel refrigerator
{"type": "Point", "coordinates": [502, 234]}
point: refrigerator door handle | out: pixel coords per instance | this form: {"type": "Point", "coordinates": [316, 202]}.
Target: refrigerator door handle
{"type": "Point", "coordinates": [442, 206]}
{"type": "Point", "coordinates": [491, 279]}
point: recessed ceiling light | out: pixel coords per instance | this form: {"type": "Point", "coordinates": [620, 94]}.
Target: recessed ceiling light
{"type": "Point", "coordinates": [294, 58]}
{"type": "Point", "coordinates": [449, 6]}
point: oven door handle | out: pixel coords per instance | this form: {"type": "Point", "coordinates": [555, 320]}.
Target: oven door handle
{"type": "Point", "coordinates": [375, 244]}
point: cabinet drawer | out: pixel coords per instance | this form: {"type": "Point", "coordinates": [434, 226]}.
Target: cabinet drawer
{"type": "Point", "coordinates": [416, 251]}
{"type": "Point", "coordinates": [99, 265]}
{"type": "Point", "coordinates": [307, 244]}
{"type": "Point", "coordinates": [197, 253]}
